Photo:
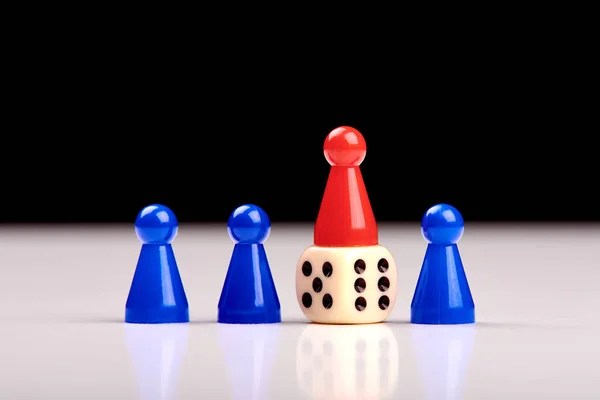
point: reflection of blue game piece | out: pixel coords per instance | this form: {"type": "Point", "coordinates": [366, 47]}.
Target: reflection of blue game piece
{"type": "Point", "coordinates": [442, 295]}
{"type": "Point", "coordinates": [249, 295]}
{"type": "Point", "coordinates": [157, 295]}
{"type": "Point", "coordinates": [443, 355]}
{"type": "Point", "coordinates": [157, 353]}
{"type": "Point", "coordinates": [249, 352]}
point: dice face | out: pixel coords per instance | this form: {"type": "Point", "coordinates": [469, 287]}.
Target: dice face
{"type": "Point", "coordinates": [347, 362]}
{"type": "Point", "coordinates": [346, 285]}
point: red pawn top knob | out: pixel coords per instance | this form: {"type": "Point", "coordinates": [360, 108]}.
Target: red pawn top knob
{"type": "Point", "coordinates": [345, 147]}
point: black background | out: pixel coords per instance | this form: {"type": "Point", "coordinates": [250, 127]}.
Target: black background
{"type": "Point", "coordinates": [500, 130]}
{"type": "Point", "coordinates": [465, 157]}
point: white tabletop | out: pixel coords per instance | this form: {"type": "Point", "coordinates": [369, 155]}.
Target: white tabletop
{"type": "Point", "coordinates": [63, 292]}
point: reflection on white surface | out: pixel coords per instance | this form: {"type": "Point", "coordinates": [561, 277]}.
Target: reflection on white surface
{"type": "Point", "coordinates": [249, 352]}
{"type": "Point", "coordinates": [347, 361]}
{"type": "Point", "coordinates": [157, 351]}
{"type": "Point", "coordinates": [443, 352]}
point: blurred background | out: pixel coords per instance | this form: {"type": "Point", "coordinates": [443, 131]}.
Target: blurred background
{"type": "Point", "coordinates": [493, 163]}
{"type": "Point", "coordinates": [102, 163]}
{"type": "Point", "coordinates": [99, 127]}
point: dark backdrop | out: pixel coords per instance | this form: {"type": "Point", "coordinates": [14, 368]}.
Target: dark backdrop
{"type": "Point", "coordinates": [94, 133]}
{"type": "Point", "coordinates": [475, 157]}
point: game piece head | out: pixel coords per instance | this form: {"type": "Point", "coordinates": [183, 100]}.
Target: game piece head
{"type": "Point", "coordinates": [345, 147]}
{"type": "Point", "coordinates": [442, 224]}
{"type": "Point", "coordinates": [249, 224]}
{"type": "Point", "coordinates": [156, 224]}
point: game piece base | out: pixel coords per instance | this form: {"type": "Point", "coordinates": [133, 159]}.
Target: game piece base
{"type": "Point", "coordinates": [249, 318]}
{"type": "Point", "coordinates": [457, 316]}
{"type": "Point", "coordinates": [166, 315]}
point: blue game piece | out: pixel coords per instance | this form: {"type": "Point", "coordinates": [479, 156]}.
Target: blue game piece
{"type": "Point", "coordinates": [249, 295]}
{"type": "Point", "coordinates": [442, 295]}
{"type": "Point", "coordinates": [157, 295]}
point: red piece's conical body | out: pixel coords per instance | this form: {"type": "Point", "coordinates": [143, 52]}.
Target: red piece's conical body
{"type": "Point", "coordinates": [345, 218]}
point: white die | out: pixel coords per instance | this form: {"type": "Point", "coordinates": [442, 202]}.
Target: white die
{"type": "Point", "coordinates": [346, 285]}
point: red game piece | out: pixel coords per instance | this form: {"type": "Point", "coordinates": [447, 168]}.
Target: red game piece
{"type": "Point", "coordinates": [346, 217]}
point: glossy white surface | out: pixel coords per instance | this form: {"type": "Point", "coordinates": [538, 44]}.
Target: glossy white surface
{"type": "Point", "coordinates": [536, 290]}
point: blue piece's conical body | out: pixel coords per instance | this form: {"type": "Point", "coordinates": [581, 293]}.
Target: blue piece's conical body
{"type": "Point", "coordinates": [249, 295]}
{"type": "Point", "coordinates": [157, 294]}
{"type": "Point", "coordinates": [442, 295]}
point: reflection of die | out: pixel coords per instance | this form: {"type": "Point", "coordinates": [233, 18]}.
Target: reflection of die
{"type": "Point", "coordinates": [346, 285]}
{"type": "Point", "coordinates": [347, 362]}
